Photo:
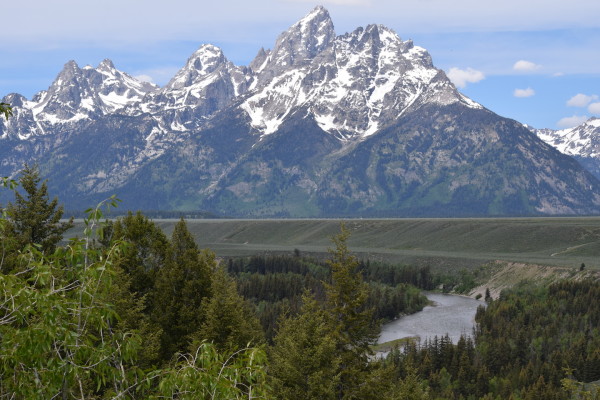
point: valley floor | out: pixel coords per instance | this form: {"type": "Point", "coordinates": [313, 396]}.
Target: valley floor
{"type": "Point", "coordinates": [440, 243]}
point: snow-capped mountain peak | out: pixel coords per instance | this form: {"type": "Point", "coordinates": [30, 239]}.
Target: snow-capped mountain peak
{"type": "Point", "coordinates": [297, 46]}
{"type": "Point", "coordinates": [205, 84]}
{"type": "Point", "coordinates": [582, 140]}
{"type": "Point", "coordinates": [77, 94]}
{"type": "Point", "coordinates": [204, 61]}
{"type": "Point", "coordinates": [352, 85]}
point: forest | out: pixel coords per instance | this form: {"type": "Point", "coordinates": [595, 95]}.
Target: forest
{"type": "Point", "coordinates": [126, 312]}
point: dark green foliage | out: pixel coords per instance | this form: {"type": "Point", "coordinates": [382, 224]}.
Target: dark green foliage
{"type": "Point", "coordinates": [389, 302]}
{"type": "Point", "coordinates": [229, 321]}
{"type": "Point", "coordinates": [524, 343]}
{"type": "Point", "coordinates": [323, 352]}
{"type": "Point", "coordinates": [354, 329]}
{"type": "Point", "coordinates": [95, 318]}
{"type": "Point", "coordinates": [181, 286]}
{"type": "Point", "coordinates": [147, 251]}
{"type": "Point", "coordinates": [393, 275]}
{"type": "Point", "coordinates": [57, 324]}
{"type": "Point", "coordinates": [276, 285]}
{"type": "Point", "coordinates": [33, 218]}
{"type": "Point", "coordinates": [304, 363]}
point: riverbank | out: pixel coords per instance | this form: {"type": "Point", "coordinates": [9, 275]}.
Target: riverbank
{"type": "Point", "coordinates": [502, 275]}
{"type": "Point", "coordinates": [450, 314]}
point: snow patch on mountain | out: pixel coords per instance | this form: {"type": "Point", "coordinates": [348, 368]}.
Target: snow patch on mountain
{"type": "Point", "coordinates": [582, 140]}
{"type": "Point", "coordinates": [352, 85]}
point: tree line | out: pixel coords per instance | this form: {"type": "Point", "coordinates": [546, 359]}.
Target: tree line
{"type": "Point", "coordinates": [531, 343]}
{"type": "Point", "coordinates": [276, 284]}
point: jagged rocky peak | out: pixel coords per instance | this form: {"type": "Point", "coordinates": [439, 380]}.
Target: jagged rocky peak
{"type": "Point", "coordinates": [15, 99]}
{"type": "Point", "coordinates": [382, 45]}
{"type": "Point", "coordinates": [353, 85]}
{"type": "Point", "coordinates": [207, 83]}
{"type": "Point", "coordinates": [298, 45]}
{"type": "Point", "coordinates": [69, 73]}
{"type": "Point", "coordinates": [77, 94]}
{"type": "Point", "coordinates": [309, 36]}
{"type": "Point", "coordinates": [259, 60]}
{"type": "Point", "coordinates": [120, 82]}
{"type": "Point", "coordinates": [106, 65]}
{"type": "Point", "coordinates": [593, 122]}
{"type": "Point", "coordinates": [204, 61]}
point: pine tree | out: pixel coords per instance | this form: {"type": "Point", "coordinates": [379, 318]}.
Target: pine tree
{"type": "Point", "coordinates": [354, 329]}
{"type": "Point", "coordinates": [33, 218]}
{"type": "Point", "coordinates": [181, 285]}
{"type": "Point", "coordinates": [147, 251]}
{"type": "Point", "coordinates": [304, 361]}
{"type": "Point", "coordinates": [411, 387]}
{"type": "Point", "coordinates": [230, 322]}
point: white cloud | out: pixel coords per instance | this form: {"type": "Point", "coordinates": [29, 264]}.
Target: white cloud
{"type": "Point", "coordinates": [581, 100]}
{"type": "Point", "coordinates": [460, 77]}
{"type": "Point", "coordinates": [526, 66]}
{"type": "Point", "coordinates": [594, 108]}
{"type": "Point", "coordinates": [159, 76]}
{"type": "Point", "coordinates": [570, 122]}
{"type": "Point", "coordinates": [524, 92]}
{"type": "Point", "coordinates": [144, 78]}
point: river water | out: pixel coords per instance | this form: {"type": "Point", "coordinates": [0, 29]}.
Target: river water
{"type": "Point", "coordinates": [451, 314]}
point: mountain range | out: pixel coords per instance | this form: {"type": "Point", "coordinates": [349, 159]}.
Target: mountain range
{"type": "Point", "coordinates": [321, 125]}
{"type": "Point", "coordinates": [581, 142]}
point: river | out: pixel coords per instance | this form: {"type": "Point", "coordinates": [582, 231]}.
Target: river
{"type": "Point", "coordinates": [451, 314]}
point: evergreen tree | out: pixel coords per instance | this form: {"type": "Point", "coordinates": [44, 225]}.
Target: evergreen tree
{"type": "Point", "coordinates": [411, 387]}
{"type": "Point", "coordinates": [334, 337]}
{"type": "Point", "coordinates": [130, 307]}
{"type": "Point", "coordinates": [304, 361]}
{"type": "Point", "coordinates": [230, 322]}
{"type": "Point", "coordinates": [34, 218]}
{"type": "Point", "coordinates": [147, 250]}
{"type": "Point", "coordinates": [354, 329]}
{"type": "Point", "coordinates": [181, 285]}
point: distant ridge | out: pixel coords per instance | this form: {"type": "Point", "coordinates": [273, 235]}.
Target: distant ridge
{"type": "Point", "coordinates": [581, 142]}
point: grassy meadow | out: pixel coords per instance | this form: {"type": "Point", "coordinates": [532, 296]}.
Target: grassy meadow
{"type": "Point", "coordinates": [440, 243]}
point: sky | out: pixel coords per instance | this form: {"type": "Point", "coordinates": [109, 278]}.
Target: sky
{"type": "Point", "coordinates": [536, 61]}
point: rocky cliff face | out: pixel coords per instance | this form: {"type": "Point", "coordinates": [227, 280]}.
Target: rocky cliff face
{"type": "Point", "coordinates": [361, 124]}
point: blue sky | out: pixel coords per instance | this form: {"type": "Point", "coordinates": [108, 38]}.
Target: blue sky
{"type": "Point", "coordinates": [532, 60]}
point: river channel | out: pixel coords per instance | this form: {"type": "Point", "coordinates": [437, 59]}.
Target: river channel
{"type": "Point", "coordinates": [451, 314]}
